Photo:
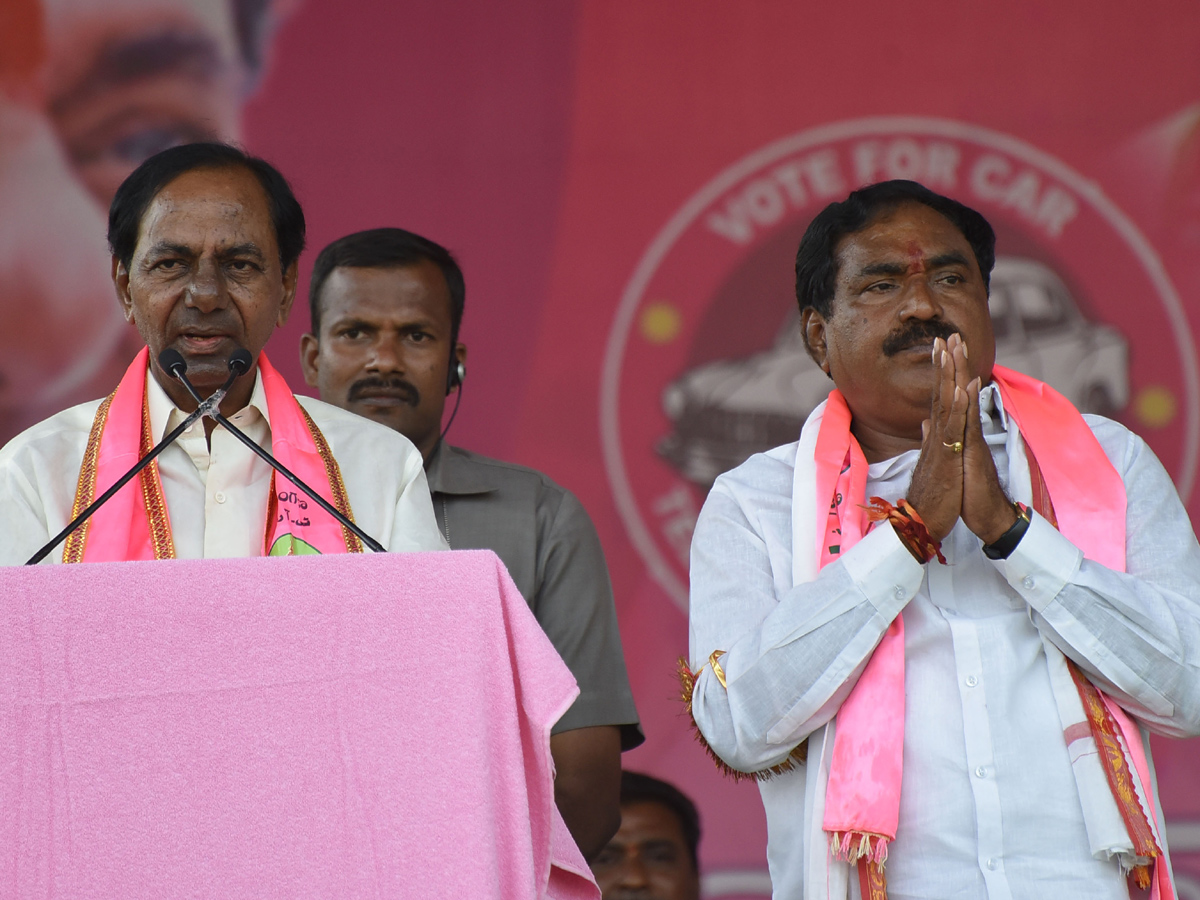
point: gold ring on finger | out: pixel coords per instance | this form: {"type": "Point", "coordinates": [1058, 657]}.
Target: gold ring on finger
{"type": "Point", "coordinates": [956, 447]}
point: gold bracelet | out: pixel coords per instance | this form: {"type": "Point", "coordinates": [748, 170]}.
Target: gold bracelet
{"type": "Point", "coordinates": [716, 667]}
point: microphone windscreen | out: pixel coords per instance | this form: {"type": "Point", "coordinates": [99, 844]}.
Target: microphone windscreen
{"type": "Point", "coordinates": [240, 361]}
{"type": "Point", "coordinates": [172, 362]}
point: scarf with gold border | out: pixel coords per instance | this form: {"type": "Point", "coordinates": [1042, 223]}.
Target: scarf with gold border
{"type": "Point", "coordinates": [862, 796]}
{"type": "Point", "coordinates": [135, 524]}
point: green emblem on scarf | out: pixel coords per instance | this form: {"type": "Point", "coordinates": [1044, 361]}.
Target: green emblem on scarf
{"type": "Point", "coordinates": [290, 545]}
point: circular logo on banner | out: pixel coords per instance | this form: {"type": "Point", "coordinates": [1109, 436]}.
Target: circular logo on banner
{"type": "Point", "coordinates": [705, 366]}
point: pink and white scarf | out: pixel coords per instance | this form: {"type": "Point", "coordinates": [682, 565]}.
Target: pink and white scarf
{"type": "Point", "coordinates": [862, 767]}
{"type": "Point", "coordinates": [135, 523]}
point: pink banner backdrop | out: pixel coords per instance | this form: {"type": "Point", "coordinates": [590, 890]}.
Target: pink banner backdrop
{"type": "Point", "coordinates": [625, 184]}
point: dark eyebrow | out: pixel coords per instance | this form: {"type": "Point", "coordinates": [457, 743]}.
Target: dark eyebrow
{"type": "Point", "coordinates": [420, 324]}
{"type": "Point", "coordinates": [123, 61]}
{"type": "Point", "coordinates": [951, 258]}
{"type": "Point", "coordinates": [883, 268]}
{"type": "Point", "coordinates": [167, 248]}
{"type": "Point", "coordinates": [941, 261]}
{"type": "Point", "coordinates": [353, 322]}
{"type": "Point", "coordinates": [247, 249]}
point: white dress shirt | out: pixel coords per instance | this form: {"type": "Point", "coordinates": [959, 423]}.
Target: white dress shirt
{"type": "Point", "coordinates": [216, 495]}
{"type": "Point", "coordinates": [989, 806]}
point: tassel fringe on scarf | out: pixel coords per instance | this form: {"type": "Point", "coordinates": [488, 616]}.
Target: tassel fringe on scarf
{"type": "Point", "coordinates": [852, 846]}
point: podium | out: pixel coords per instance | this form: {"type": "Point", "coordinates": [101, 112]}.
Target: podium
{"type": "Point", "coordinates": [343, 726]}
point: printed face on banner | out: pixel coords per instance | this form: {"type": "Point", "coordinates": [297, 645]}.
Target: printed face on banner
{"type": "Point", "coordinates": [906, 278]}
{"type": "Point", "coordinates": [706, 362]}
{"type": "Point", "coordinates": [98, 86]}
{"type": "Point", "coordinates": [127, 78]}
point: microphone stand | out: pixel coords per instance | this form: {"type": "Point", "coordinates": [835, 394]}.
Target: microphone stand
{"type": "Point", "coordinates": [206, 407]}
{"type": "Point", "coordinates": [242, 359]}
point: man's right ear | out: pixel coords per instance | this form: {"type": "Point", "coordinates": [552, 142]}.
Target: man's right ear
{"type": "Point", "coordinates": [812, 329]}
{"type": "Point", "coordinates": [310, 351]}
{"type": "Point", "coordinates": [120, 278]}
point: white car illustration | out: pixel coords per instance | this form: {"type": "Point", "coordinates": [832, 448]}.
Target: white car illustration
{"type": "Point", "coordinates": [726, 410]}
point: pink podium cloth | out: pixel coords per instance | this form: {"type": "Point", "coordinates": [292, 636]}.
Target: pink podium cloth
{"type": "Point", "coordinates": [325, 726]}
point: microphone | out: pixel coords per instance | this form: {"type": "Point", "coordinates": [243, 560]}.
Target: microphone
{"type": "Point", "coordinates": [239, 363]}
{"type": "Point", "coordinates": [171, 361]}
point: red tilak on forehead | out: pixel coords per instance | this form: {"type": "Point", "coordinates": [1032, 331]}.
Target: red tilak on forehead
{"type": "Point", "coordinates": [916, 258]}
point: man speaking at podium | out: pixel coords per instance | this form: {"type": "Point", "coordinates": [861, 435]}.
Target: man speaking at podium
{"type": "Point", "coordinates": [205, 241]}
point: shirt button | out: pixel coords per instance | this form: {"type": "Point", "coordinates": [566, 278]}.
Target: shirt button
{"type": "Point", "coordinates": [219, 497]}
{"type": "Point", "coordinates": [899, 592]}
{"type": "Point", "coordinates": [972, 681]}
{"type": "Point", "coordinates": [991, 864]}
{"type": "Point", "coordinates": [981, 772]}
{"type": "Point", "coordinates": [1028, 582]}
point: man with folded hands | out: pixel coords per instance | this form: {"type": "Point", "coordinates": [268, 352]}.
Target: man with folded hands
{"type": "Point", "coordinates": [945, 619]}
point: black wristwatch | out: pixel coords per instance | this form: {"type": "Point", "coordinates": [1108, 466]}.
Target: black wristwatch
{"type": "Point", "coordinates": [1004, 545]}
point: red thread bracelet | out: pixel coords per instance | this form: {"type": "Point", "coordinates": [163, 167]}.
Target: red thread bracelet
{"type": "Point", "coordinates": [909, 527]}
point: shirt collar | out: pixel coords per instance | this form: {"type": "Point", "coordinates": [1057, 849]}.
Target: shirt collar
{"type": "Point", "coordinates": [165, 415]}
{"type": "Point", "coordinates": [991, 408]}
{"type": "Point", "coordinates": [450, 471]}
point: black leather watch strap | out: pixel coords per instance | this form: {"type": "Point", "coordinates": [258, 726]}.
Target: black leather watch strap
{"type": "Point", "coordinates": [1004, 545]}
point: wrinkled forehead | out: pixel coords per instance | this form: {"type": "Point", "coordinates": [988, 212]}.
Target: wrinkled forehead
{"type": "Point", "coordinates": [395, 294]}
{"type": "Point", "coordinates": [227, 205]}
{"type": "Point", "coordinates": [908, 231]}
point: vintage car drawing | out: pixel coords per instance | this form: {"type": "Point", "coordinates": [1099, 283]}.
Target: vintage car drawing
{"type": "Point", "coordinates": [724, 411]}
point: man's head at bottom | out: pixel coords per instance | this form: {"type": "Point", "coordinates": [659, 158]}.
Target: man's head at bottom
{"type": "Point", "coordinates": [386, 308]}
{"type": "Point", "coordinates": [653, 854]}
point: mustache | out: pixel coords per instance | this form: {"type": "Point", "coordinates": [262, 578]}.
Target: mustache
{"type": "Point", "coordinates": [916, 334]}
{"type": "Point", "coordinates": [405, 390]}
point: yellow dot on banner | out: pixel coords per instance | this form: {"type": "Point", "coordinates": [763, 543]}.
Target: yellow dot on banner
{"type": "Point", "coordinates": [661, 323]}
{"type": "Point", "coordinates": [1155, 406]}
